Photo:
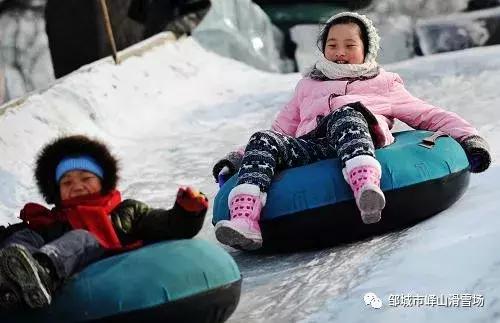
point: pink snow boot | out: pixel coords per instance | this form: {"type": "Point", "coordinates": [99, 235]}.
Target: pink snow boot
{"type": "Point", "coordinates": [242, 231]}
{"type": "Point", "coordinates": [364, 174]}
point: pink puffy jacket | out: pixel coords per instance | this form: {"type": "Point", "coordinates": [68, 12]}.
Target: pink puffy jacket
{"type": "Point", "coordinates": [384, 96]}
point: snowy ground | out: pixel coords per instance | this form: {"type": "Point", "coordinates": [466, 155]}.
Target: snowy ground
{"type": "Point", "coordinates": [172, 112]}
{"type": "Point", "coordinates": [26, 61]}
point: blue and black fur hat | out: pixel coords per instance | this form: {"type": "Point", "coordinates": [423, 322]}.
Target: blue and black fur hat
{"type": "Point", "coordinates": [73, 147]}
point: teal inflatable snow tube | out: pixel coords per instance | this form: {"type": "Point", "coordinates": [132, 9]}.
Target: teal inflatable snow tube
{"type": "Point", "coordinates": [176, 281]}
{"type": "Point", "coordinates": [313, 206]}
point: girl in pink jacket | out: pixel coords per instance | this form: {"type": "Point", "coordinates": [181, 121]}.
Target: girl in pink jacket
{"type": "Point", "coordinates": [344, 108]}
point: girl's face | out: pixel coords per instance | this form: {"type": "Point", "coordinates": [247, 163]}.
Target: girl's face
{"type": "Point", "coordinates": [78, 183]}
{"type": "Point", "coordinates": [344, 45]}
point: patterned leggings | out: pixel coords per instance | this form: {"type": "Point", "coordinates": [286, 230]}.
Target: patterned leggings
{"type": "Point", "coordinates": [343, 133]}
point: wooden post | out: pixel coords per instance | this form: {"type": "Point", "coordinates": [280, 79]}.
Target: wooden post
{"type": "Point", "coordinates": [109, 30]}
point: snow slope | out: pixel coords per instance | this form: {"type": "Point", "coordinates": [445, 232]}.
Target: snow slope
{"type": "Point", "coordinates": [170, 112]}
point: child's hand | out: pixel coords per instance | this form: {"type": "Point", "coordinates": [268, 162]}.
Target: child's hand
{"type": "Point", "coordinates": [191, 199]}
{"type": "Point", "coordinates": [223, 176]}
{"type": "Point", "coordinates": [231, 162]}
{"type": "Point", "coordinates": [477, 151]}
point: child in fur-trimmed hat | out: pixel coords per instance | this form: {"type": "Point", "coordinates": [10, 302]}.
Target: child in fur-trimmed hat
{"type": "Point", "coordinates": [79, 176]}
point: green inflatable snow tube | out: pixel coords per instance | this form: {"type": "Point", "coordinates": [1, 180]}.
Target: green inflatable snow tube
{"type": "Point", "coordinates": [175, 281]}
{"type": "Point", "coordinates": [313, 206]}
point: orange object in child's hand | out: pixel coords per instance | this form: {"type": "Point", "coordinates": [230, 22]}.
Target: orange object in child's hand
{"type": "Point", "coordinates": [191, 199]}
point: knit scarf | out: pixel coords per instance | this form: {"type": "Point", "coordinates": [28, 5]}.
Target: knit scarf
{"type": "Point", "coordinates": [90, 212]}
{"type": "Point", "coordinates": [325, 70]}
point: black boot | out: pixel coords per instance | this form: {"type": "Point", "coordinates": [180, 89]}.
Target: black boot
{"type": "Point", "coordinates": [33, 279]}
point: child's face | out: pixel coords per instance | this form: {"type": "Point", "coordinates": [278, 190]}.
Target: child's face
{"type": "Point", "coordinates": [78, 183]}
{"type": "Point", "coordinates": [344, 44]}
